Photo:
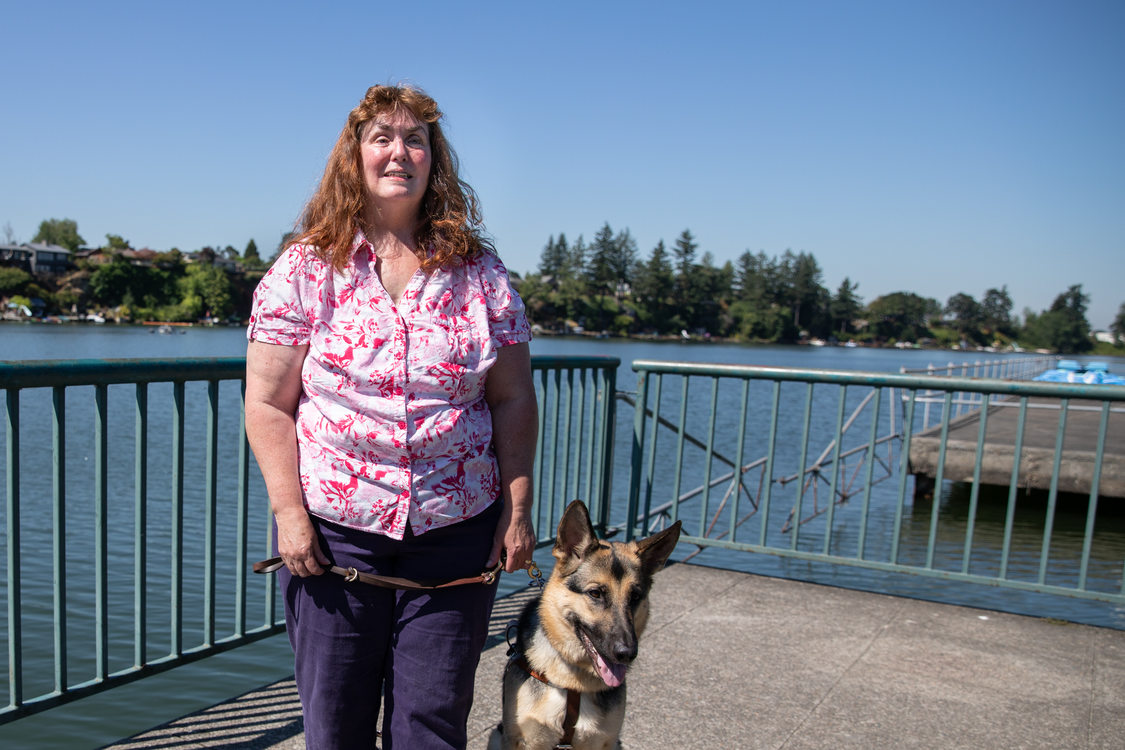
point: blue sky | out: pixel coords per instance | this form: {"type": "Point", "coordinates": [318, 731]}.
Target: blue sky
{"type": "Point", "coordinates": [934, 147]}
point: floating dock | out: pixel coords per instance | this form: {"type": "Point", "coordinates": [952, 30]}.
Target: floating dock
{"type": "Point", "coordinates": [1037, 454]}
{"type": "Point", "coordinates": [736, 660]}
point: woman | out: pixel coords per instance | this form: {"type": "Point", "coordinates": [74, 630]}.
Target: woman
{"type": "Point", "coordinates": [390, 406]}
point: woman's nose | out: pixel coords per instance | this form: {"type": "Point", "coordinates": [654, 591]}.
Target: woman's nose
{"type": "Point", "coordinates": [398, 150]}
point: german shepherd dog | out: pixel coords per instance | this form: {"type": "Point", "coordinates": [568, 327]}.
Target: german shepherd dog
{"type": "Point", "coordinates": [565, 683]}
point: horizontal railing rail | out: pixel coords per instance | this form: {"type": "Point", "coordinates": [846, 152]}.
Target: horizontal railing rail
{"type": "Point", "coordinates": [727, 449]}
{"type": "Point", "coordinates": [1005, 368]}
{"type": "Point", "coordinates": [132, 515]}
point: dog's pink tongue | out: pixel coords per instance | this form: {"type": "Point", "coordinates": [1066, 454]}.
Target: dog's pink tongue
{"type": "Point", "coordinates": [611, 674]}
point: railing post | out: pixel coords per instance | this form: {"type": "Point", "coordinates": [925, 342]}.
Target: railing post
{"type": "Point", "coordinates": [12, 531]}
{"type": "Point", "coordinates": [638, 452]}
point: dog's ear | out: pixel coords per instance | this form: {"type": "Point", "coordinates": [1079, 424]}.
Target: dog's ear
{"type": "Point", "coordinates": [654, 550]}
{"type": "Point", "coordinates": [576, 535]}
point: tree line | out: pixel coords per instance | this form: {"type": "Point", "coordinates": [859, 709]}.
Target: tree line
{"type": "Point", "coordinates": [604, 285]}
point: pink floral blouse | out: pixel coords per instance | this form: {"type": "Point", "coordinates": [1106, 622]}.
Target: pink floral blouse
{"type": "Point", "coordinates": [392, 426]}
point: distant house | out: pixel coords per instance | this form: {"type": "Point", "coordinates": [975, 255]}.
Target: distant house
{"type": "Point", "coordinates": [1106, 337]}
{"type": "Point", "coordinates": [18, 256]}
{"type": "Point", "coordinates": [50, 259]}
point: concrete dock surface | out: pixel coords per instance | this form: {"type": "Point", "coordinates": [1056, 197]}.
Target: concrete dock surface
{"type": "Point", "coordinates": [732, 660]}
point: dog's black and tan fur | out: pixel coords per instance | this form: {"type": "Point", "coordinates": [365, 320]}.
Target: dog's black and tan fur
{"type": "Point", "coordinates": [581, 635]}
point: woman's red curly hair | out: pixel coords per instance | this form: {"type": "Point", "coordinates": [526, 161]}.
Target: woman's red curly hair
{"type": "Point", "coordinates": [450, 229]}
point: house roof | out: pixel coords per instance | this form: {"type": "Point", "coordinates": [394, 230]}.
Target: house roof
{"type": "Point", "coordinates": [44, 247]}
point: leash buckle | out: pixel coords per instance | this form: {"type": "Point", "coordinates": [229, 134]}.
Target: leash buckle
{"type": "Point", "coordinates": [535, 575]}
{"type": "Point", "coordinates": [352, 575]}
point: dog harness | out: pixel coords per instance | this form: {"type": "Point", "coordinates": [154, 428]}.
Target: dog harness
{"type": "Point", "coordinates": [573, 699]}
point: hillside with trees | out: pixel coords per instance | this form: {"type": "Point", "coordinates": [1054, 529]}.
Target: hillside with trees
{"type": "Point", "coordinates": [602, 286]}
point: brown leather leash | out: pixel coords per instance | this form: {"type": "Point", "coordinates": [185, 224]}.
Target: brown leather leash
{"type": "Point", "coordinates": [390, 582]}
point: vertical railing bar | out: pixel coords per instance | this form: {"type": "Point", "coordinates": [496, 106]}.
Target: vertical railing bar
{"type": "Point", "coordinates": [1013, 490]}
{"type": "Point", "coordinates": [568, 440]}
{"type": "Point", "coordinates": [639, 414]}
{"type": "Point", "coordinates": [581, 447]}
{"type": "Point", "coordinates": [12, 533]}
{"type": "Point", "coordinates": [242, 522]}
{"type": "Point", "coordinates": [861, 543]}
{"type": "Point", "coordinates": [680, 439]}
{"type": "Point", "coordinates": [939, 478]}
{"type": "Point", "coordinates": [927, 398]}
{"type": "Point", "coordinates": [176, 605]}
{"type": "Point", "coordinates": [1053, 492]}
{"type": "Point", "coordinates": [831, 515]}
{"type": "Point", "coordinates": [101, 532]}
{"type": "Point", "coordinates": [650, 471]}
{"type": "Point", "coordinates": [553, 455]}
{"type": "Point", "coordinates": [708, 456]}
{"type": "Point", "coordinates": [605, 434]}
{"type": "Point", "coordinates": [974, 493]}
{"type": "Point", "coordinates": [801, 468]}
{"type": "Point", "coordinates": [593, 452]}
{"type": "Point", "coordinates": [540, 455]}
{"type": "Point", "coordinates": [771, 447]}
{"type": "Point", "coordinates": [1092, 507]}
{"type": "Point", "coordinates": [904, 473]}
{"type": "Point", "coordinates": [140, 527]}
{"type": "Point", "coordinates": [892, 416]}
{"type": "Point", "coordinates": [739, 458]}
{"type": "Point", "coordinates": [210, 509]}
{"type": "Point", "coordinates": [270, 613]}
{"type": "Point", "coordinates": [58, 533]}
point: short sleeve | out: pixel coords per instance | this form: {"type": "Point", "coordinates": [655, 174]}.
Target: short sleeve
{"type": "Point", "coordinates": [279, 314]}
{"type": "Point", "coordinates": [507, 317]}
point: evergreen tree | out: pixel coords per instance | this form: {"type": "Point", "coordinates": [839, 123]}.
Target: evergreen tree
{"type": "Point", "coordinates": [624, 260]}
{"type": "Point", "coordinates": [600, 268]}
{"type": "Point", "coordinates": [845, 306]}
{"type": "Point", "coordinates": [684, 253]}
{"type": "Point", "coordinates": [553, 259]}
{"type": "Point", "coordinates": [250, 254]}
{"type": "Point", "coordinates": [809, 298]}
{"type": "Point", "coordinates": [687, 282]}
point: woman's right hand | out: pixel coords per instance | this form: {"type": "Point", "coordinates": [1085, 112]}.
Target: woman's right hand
{"type": "Point", "coordinates": [297, 544]}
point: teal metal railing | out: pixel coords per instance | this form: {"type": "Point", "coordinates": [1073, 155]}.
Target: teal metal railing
{"type": "Point", "coordinates": [132, 513]}
{"type": "Point", "coordinates": [727, 449]}
{"type": "Point", "coordinates": [132, 510]}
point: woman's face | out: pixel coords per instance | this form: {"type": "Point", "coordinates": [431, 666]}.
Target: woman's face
{"type": "Point", "coordinates": [396, 158]}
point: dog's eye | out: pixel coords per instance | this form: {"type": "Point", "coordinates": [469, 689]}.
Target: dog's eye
{"type": "Point", "coordinates": [595, 593]}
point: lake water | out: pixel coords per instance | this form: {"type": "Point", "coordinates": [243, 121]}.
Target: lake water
{"type": "Point", "coordinates": [126, 710]}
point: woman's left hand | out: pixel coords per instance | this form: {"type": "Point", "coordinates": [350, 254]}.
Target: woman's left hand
{"type": "Point", "coordinates": [515, 537]}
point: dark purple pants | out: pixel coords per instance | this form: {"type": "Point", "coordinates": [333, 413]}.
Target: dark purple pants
{"type": "Point", "coordinates": [357, 646]}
